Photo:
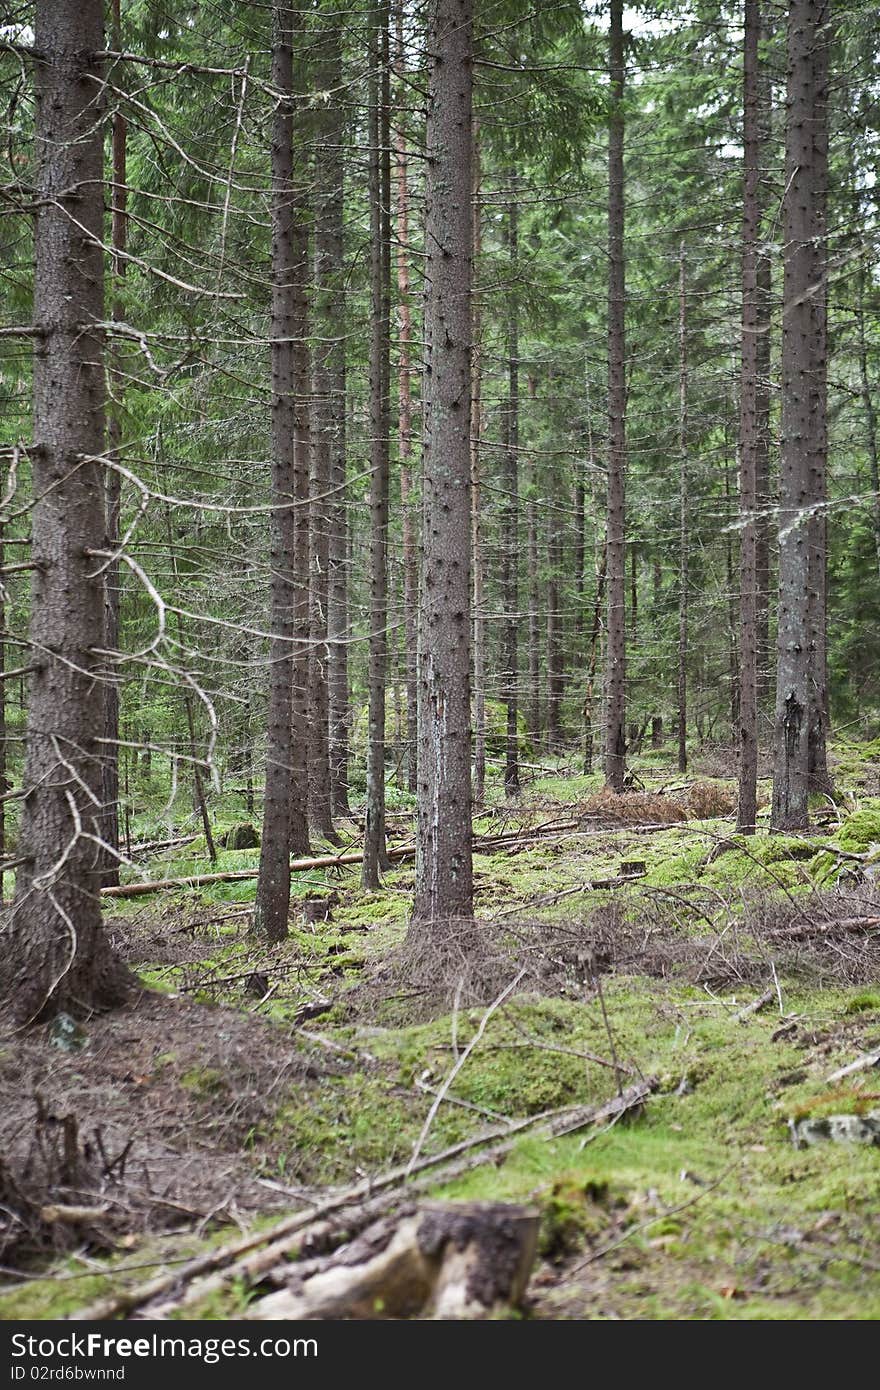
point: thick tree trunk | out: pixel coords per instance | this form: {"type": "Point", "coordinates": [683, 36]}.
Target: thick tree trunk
{"type": "Point", "coordinates": [615, 675]}
{"type": "Point", "coordinates": [510, 484]}
{"type": "Point", "coordinates": [748, 429]}
{"type": "Point", "coordinates": [273, 885]}
{"type": "Point", "coordinates": [56, 955]}
{"type": "Point", "coordinates": [380, 336]}
{"type": "Point", "coordinates": [444, 872]}
{"type": "Point", "coordinates": [803, 417]}
{"type": "Point", "coordinates": [405, 430]}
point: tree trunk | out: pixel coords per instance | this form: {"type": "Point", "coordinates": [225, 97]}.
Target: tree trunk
{"type": "Point", "coordinates": [615, 675]}
{"type": "Point", "coordinates": [868, 406]}
{"type": "Point", "coordinates": [555, 674]}
{"type": "Point", "coordinates": [326, 73]}
{"type": "Point", "coordinates": [302, 463]}
{"type": "Point", "coordinates": [405, 429]}
{"type": "Point", "coordinates": [747, 806]}
{"type": "Point", "coordinates": [592, 662]}
{"type": "Point", "coordinates": [683, 506]}
{"type": "Point", "coordinates": [444, 872]}
{"type": "Point", "coordinates": [510, 485]}
{"type": "Point", "coordinates": [533, 708]}
{"type": "Point", "coordinates": [380, 337]}
{"type": "Point", "coordinates": [57, 956]}
{"type": "Point", "coordinates": [273, 884]}
{"type": "Point", "coordinates": [819, 778]}
{"type": "Point", "coordinates": [113, 486]}
{"type": "Point", "coordinates": [337, 559]}
{"type": "Point", "coordinates": [478, 558]}
{"type": "Point", "coordinates": [803, 417]}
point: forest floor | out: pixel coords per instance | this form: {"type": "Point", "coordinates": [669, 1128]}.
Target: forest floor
{"type": "Point", "coordinates": [617, 940]}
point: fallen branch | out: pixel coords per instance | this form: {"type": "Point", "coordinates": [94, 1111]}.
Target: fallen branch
{"type": "Point", "coordinates": [870, 1059]}
{"type": "Point", "coordinates": [398, 854]}
{"type": "Point", "coordinates": [259, 1251]}
{"type": "Point", "coordinates": [755, 1006]}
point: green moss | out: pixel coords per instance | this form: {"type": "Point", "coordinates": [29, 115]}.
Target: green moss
{"type": "Point", "coordinates": [860, 830]}
{"type": "Point", "coordinates": [204, 1081]}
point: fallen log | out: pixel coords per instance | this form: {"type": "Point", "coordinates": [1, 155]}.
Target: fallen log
{"type": "Point", "coordinates": [396, 853]}
{"type": "Point", "coordinates": [461, 1260]}
{"type": "Point", "coordinates": [254, 1254]}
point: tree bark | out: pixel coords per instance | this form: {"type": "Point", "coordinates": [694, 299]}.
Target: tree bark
{"type": "Point", "coordinates": [747, 805]}
{"type": "Point", "coordinates": [326, 74]}
{"type": "Point", "coordinates": [510, 484]}
{"type": "Point", "coordinates": [405, 426]}
{"type": "Point", "coordinates": [444, 872]}
{"type": "Point", "coordinates": [555, 672]}
{"type": "Point", "coordinates": [333, 262]}
{"type": "Point", "coordinates": [375, 857]}
{"type": "Point", "coordinates": [683, 506]}
{"type": "Point", "coordinates": [803, 418]}
{"type": "Point", "coordinates": [615, 545]}
{"type": "Point", "coordinates": [113, 486]}
{"type": "Point", "coordinates": [273, 884]}
{"type": "Point", "coordinates": [478, 558]}
{"type": "Point", "coordinates": [57, 956]}
{"type": "Point", "coordinates": [819, 778]}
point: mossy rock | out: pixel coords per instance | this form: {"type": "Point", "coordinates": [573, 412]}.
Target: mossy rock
{"type": "Point", "coordinates": [241, 836]}
{"type": "Point", "coordinates": [860, 830]}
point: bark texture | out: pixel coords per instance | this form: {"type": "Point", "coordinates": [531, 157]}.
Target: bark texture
{"type": "Point", "coordinates": [57, 955]}
{"type": "Point", "coordinates": [748, 429]}
{"type": "Point", "coordinates": [615, 674]}
{"type": "Point", "coordinates": [444, 871]}
{"type": "Point", "coordinates": [380, 334]}
{"type": "Point", "coordinates": [800, 666]}
{"type": "Point", "coordinates": [273, 883]}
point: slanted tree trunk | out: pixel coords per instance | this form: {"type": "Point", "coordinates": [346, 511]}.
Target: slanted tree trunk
{"type": "Point", "coordinates": [273, 884]}
{"type": "Point", "coordinates": [405, 426]}
{"type": "Point", "coordinates": [56, 954]}
{"type": "Point", "coordinates": [380, 336]}
{"type": "Point", "coordinates": [803, 412]}
{"type": "Point", "coordinates": [478, 558]}
{"type": "Point", "coordinates": [444, 872]}
{"type": "Point", "coordinates": [510, 484]}
{"type": "Point", "coordinates": [747, 805]}
{"type": "Point", "coordinates": [683, 508]}
{"type": "Point", "coordinates": [615, 545]}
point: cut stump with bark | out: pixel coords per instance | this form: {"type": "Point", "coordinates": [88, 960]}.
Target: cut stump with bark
{"type": "Point", "coordinates": [463, 1260]}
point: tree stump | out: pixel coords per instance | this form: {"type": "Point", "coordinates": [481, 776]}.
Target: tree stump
{"type": "Point", "coordinates": [459, 1260]}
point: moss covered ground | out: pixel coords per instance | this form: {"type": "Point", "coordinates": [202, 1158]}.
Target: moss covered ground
{"type": "Point", "coordinates": [700, 1206]}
